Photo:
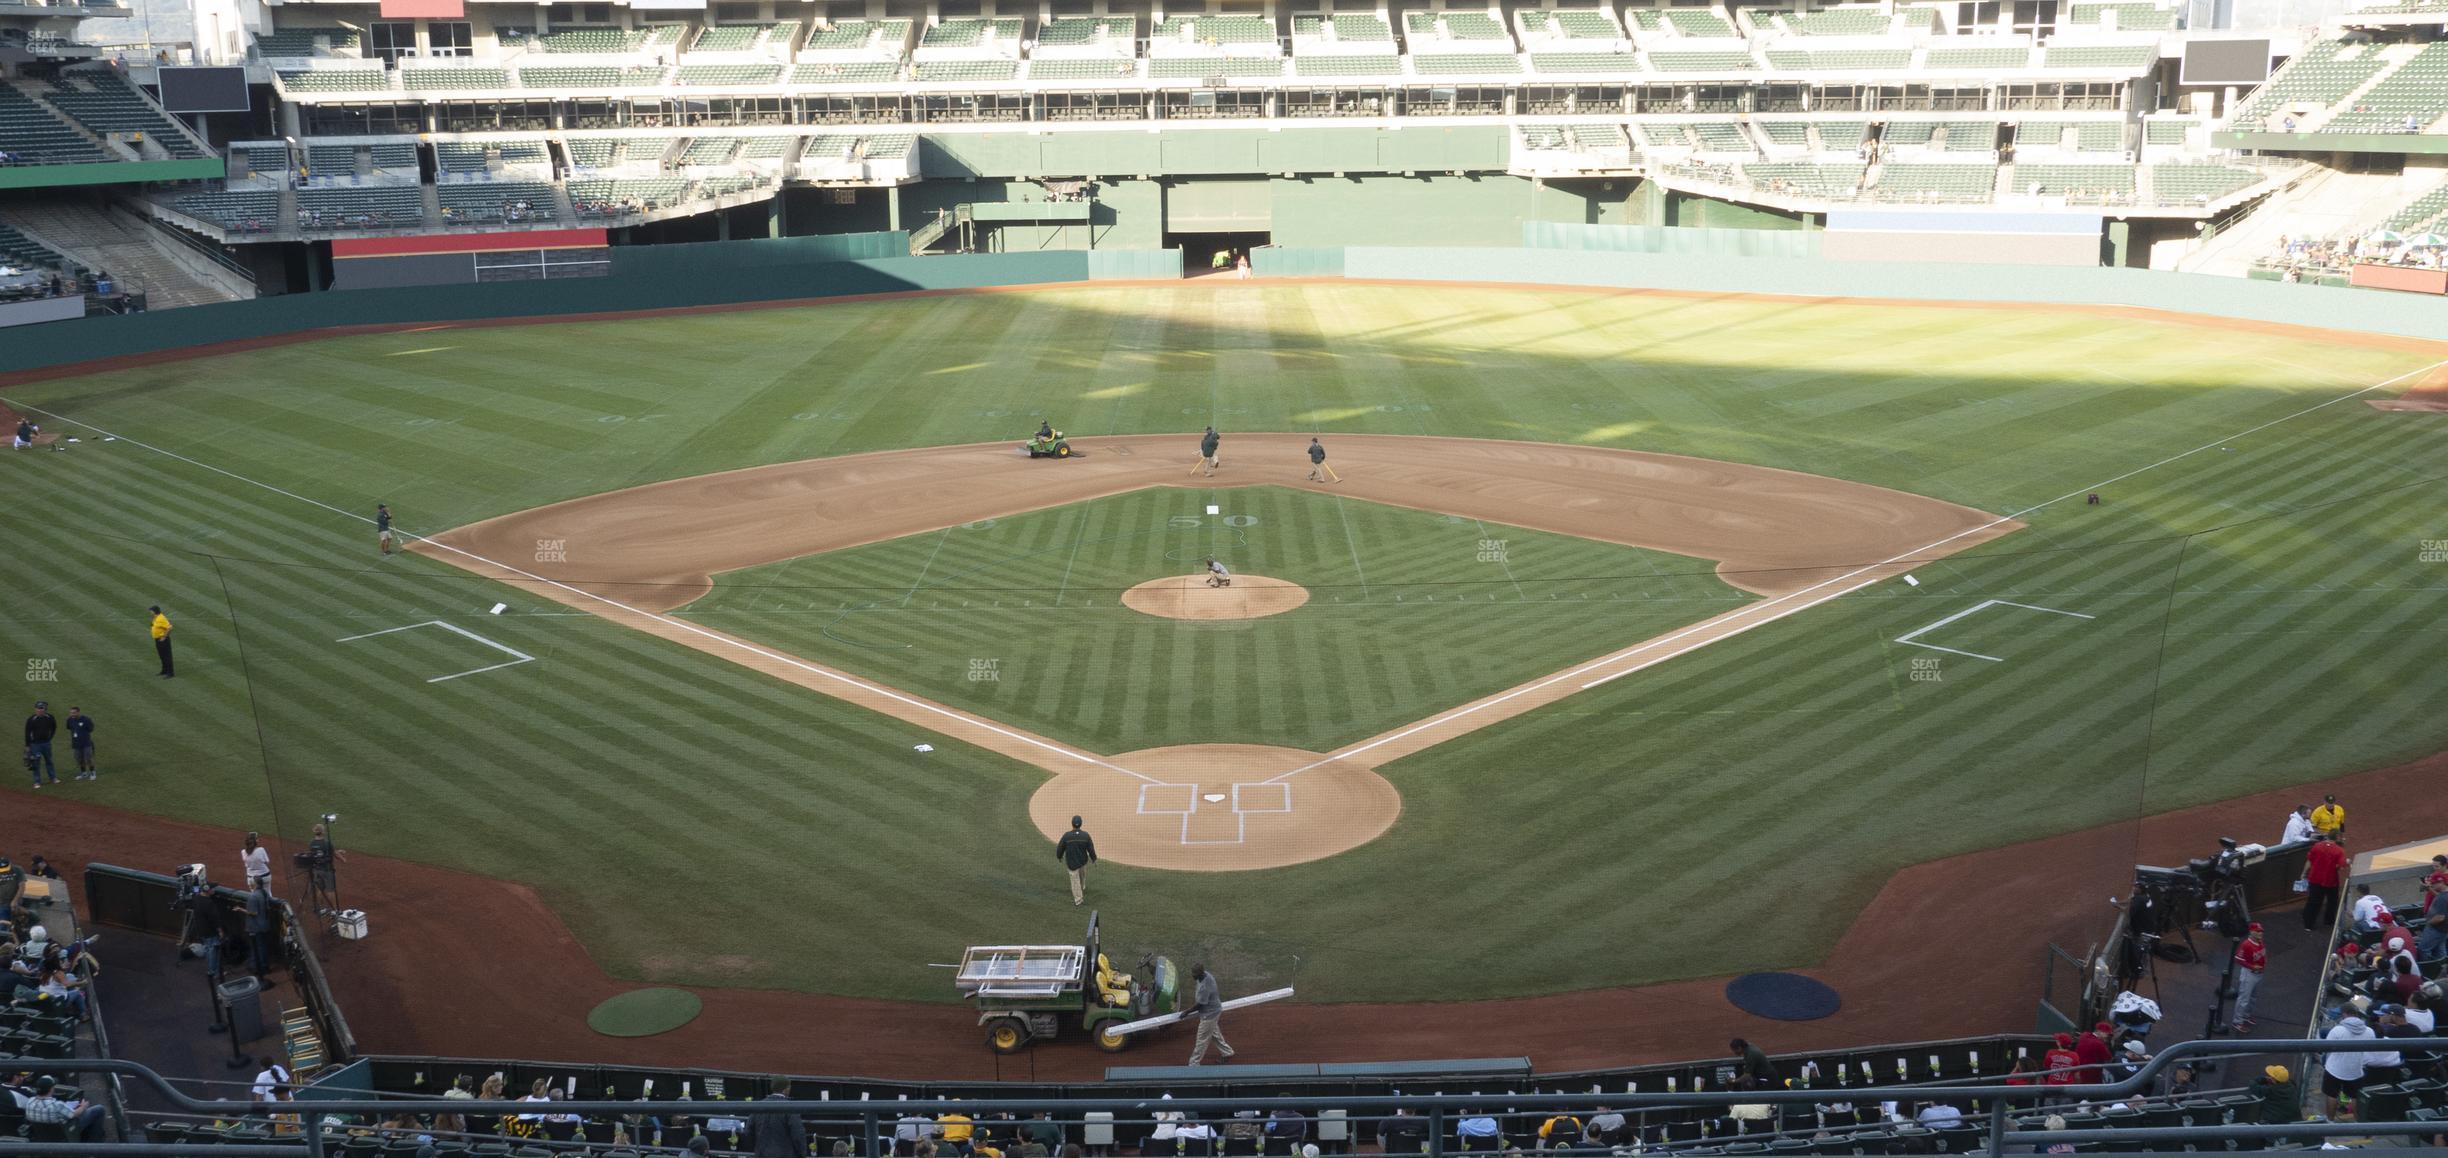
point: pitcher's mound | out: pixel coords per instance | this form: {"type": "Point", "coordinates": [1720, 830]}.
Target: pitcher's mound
{"type": "Point", "coordinates": [1189, 597]}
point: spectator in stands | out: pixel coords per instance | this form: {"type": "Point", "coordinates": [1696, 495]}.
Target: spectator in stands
{"type": "Point", "coordinates": [1478, 1131]}
{"type": "Point", "coordinates": [2133, 1057]}
{"type": "Point", "coordinates": [2342, 1071]}
{"type": "Point", "coordinates": [2093, 1051]}
{"type": "Point", "coordinates": [63, 989]}
{"type": "Point", "coordinates": [1196, 1137]}
{"type": "Point", "coordinates": [1286, 1129]}
{"type": "Point", "coordinates": [2324, 864]}
{"type": "Point", "coordinates": [452, 1121]}
{"type": "Point", "coordinates": [2298, 822]}
{"type": "Point", "coordinates": [1404, 1133]}
{"type": "Point", "coordinates": [270, 1076]}
{"type": "Point", "coordinates": [62, 1121]}
{"type": "Point", "coordinates": [2368, 909]}
{"type": "Point", "coordinates": [954, 1129]}
{"type": "Point", "coordinates": [1559, 1131]}
{"type": "Point", "coordinates": [911, 1129]}
{"type": "Point", "coordinates": [1939, 1115]}
{"type": "Point", "coordinates": [2388, 1066]}
{"type": "Point", "coordinates": [1043, 1132]}
{"type": "Point", "coordinates": [2330, 818]}
{"type": "Point", "coordinates": [1752, 1062]}
{"type": "Point", "coordinates": [2062, 1065]}
{"type": "Point", "coordinates": [779, 1135]}
{"type": "Point", "coordinates": [2280, 1101]}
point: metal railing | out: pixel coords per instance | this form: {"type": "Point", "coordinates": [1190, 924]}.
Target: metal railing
{"type": "Point", "coordinates": [872, 1122]}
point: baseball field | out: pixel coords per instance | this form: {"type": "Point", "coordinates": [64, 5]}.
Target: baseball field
{"type": "Point", "coordinates": [1632, 616]}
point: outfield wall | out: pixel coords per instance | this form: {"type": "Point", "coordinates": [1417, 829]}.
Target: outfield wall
{"type": "Point", "coordinates": [1610, 257]}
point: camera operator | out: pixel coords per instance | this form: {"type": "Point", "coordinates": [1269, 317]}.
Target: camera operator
{"type": "Point", "coordinates": [323, 856]}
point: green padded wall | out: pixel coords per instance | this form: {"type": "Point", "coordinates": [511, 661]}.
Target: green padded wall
{"type": "Point", "coordinates": [1220, 152]}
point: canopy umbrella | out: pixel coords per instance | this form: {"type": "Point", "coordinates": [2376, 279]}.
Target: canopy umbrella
{"type": "Point", "coordinates": [2427, 241]}
{"type": "Point", "coordinates": [2388, 236]}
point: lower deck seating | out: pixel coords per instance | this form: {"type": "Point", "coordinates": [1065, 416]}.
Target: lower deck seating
{"type": "Point", "coordinates": [239, 209]}
{"type": "Point", "coordinates": [1959, 184]}
{"type": "Point", "coordinates": [2198, 184]}
{"type": "Point", "coordinates": [1840, 182]}
{"type": "Point", "coordinates": [2083, 184]}
{"type": "Point", "coordinates": [498, 201]}
{"type": "Point", "coordinates": [362, 207]}
{"type": "Point", "coordinates": [598, 198]}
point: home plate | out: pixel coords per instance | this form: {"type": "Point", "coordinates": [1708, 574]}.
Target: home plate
{"type": "Point", "coordinates": [1213, 797]}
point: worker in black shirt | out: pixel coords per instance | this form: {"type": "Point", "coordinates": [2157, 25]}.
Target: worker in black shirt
{"type": "Point", "coordinates": [80, 743]}
{"type": "Point", "coordinates": [1318, 470]}
{"type": "Point", "coordinates": [382, 526]}
{"type": "Point", "coordinates": [40, 727]}
{"type": "Point", "coordinates": [1076, 851]}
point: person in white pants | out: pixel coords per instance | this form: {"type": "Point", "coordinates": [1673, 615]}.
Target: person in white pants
{"type": "Point", "coordinates": [2251, 957]}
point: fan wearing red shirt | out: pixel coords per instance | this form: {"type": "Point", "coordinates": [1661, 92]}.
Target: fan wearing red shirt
{"type": "Point", "coordinates": [2091, 1049]}
{"type": "Point", "coordinates": [2060, 1063]}
{"type": "Point", "coordinates": [2324, 874]}
{"type": "Point", "coordinates": [2251, 957]}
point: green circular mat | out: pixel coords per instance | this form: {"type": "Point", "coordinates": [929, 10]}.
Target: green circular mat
{"type": "Point", "coordinates": [644, 1013]}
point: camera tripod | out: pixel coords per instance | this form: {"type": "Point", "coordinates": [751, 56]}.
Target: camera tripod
{"type": "Point", "coordinates": [323, 896]}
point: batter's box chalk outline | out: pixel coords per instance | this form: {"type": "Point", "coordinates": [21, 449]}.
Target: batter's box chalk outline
{"type": "Point", "coordinates": [518, 657]}
{"type": "Point", "coordinates": [1243, 796]}
{"type": "Point", "coordinates": [1911, 638]}
{"type": "Point", "coordinates": [1183, 795]}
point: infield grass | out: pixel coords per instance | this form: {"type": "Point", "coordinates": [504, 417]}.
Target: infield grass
{"type": "Point", "coordinates": [2263, 617]}
{"type": "Point", "coordinates": [1409, 613]}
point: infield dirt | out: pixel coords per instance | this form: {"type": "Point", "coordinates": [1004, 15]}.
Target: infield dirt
{"type": "Point", "coordinates": [1796, 539]}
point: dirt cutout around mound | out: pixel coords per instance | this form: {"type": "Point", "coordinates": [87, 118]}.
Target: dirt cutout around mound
{"type": "Point", "coordinates": [8, 429]}
{"type": "Point", "coordinates": [2428, 395]}
{"type": "Point", "coordinates": [1193, 597]}
{"type": "Point", "coordinates": [1797, 540]}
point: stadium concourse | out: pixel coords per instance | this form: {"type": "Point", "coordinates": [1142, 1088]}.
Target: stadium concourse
{"type": "Point", "coordinates": [464, 966]}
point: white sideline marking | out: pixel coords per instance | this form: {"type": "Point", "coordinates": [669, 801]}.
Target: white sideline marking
{"type": "Point", "coordinates": [1057, 749]}
{"type": "Point", "coordinates": [1636, 649]}
{"type": "Point", "coordinates": [523, 657]}
{"type": "Point", "coordinates": [682, 625]}
{"type": "Point", "coordinates": [1907, 637]}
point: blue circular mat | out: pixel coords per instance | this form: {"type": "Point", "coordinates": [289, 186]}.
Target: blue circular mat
{"type": "Point", "coordinates": [1782, 996]}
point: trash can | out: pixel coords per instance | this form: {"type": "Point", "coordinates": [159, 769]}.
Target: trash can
{"type": "Point", "coordinates": [243, 997]}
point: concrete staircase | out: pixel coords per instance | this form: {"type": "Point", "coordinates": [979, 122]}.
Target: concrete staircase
{"type": "Point", "coordinates": [131, 251]}
{"type": "Point", "coordinates": [2325, 204]}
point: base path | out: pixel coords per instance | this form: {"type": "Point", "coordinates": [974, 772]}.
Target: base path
{"type": "Point", "coordinates": [1797, 540]}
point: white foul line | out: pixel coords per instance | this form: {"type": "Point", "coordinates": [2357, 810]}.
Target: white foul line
{"type": "Point", "coordinates": [679, 624]}
{"type": "Point", "coordinates": [1636, 649]}
{"type": "Point", "coordinates": [523, 657]}
{"type": "Point", "coordinates": [1907, 637]}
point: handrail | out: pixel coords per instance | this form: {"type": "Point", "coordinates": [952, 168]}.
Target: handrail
{"type": "Point", "coordinates": [1438, 1107]}
{"type": "Point", "coordinates": [209, 251]}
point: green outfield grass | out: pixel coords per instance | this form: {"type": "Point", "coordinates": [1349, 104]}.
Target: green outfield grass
{"type": "Point", "coordinates": [2261, 616]}
{"type": "Point", "coordinates": [1410, 612]}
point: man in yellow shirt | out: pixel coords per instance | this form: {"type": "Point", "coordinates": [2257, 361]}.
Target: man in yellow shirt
{"type": "Point", "coordinates": [161, 640]}
{"type": "Point", "coordinates": [2329, 817]}
{"type": "Point", "coordinates": [955, 1129]}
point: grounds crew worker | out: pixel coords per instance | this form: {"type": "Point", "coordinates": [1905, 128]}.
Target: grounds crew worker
{"type": "Point", "coordinates": [1208, 1006]}
{"type": "Point", "coordinates": [1077, 852]}
{"type": "Point", "coordinates": [1207, 451]}
{"type": "Point", "coordinates": [1318, 470]}
{"type": "Point", "coordinates": [161, 640]}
